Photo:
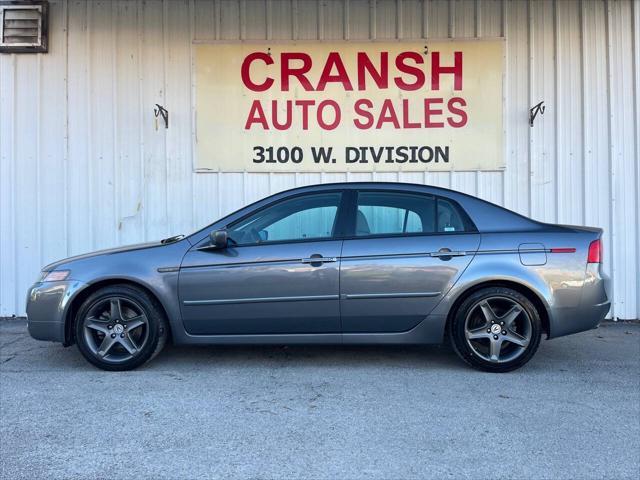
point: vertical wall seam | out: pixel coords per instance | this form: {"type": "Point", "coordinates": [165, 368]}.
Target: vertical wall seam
{"type": "Point", "coordinates": [165, 62]}
{"type": "Point", "coordinates": [320, 25]}
{"type": "Point", "coordinates": [217, 21]}
{"type": "Point", "coordinates": [477, 17]}
{"type": "Point", "coordinates": [242, 19]}
{"type": "Point", "coordinates": [65, 145]}
{"type": "Point", "coordinates": [14, 170]}
{"type": "Point", "coordinates": [530, 87]}
{"type": "Point", "coordinates": [294, 20]}
{"type": "Point", "coordinates": [141, 139]}
{"type": "Point", "coordinates": [346, 10]}
{"type": "Point", "coordinates": [399, 20]}
{"type": "Point", "coordinates": [556, 112]}
{"type": "Point", "coordinates": [268, 20]}
{"type": "Point", "coordinates": [635, 28]}
{"type": "Point", "coordinates": [14, 161]}
{"type": "Point", "coordinates": [38, 142]}
{"type": "Point", "coordinates": [114, 93]}
{"type": "Point", "coordinates": [192, 111]}
{"type": "Point", "coordinates": [372, 20]}
{"type": "Point", "coordinates": [610, 152]}
{"type": "Point", "coordinates": [451, 32]}
{"type": "Point", "coordinates": [88, 63]}
{"type": "Point", "coordinates": [583, 116]}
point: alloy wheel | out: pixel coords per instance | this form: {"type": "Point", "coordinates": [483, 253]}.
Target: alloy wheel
{"type": "Point", "coordinates": [498, 329]}
{"type": "Point", "coordinates": [115, 329]}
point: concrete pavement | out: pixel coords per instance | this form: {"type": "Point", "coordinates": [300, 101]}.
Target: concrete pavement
{"type": "Point", "coordinates": [322, 412]}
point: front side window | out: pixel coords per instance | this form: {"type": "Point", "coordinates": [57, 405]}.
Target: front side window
{"type": "Point", "coordinates": [300, 218]}
{"type": "Point", "coordinates": [394, 213]}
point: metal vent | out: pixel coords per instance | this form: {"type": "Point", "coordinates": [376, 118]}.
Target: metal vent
{"type": "Point", "coordinates": [23, 26]}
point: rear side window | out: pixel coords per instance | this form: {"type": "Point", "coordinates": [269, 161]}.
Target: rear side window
{"type": "Point", "coordinates": [394, 213]}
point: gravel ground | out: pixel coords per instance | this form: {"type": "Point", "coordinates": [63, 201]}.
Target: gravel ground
{"type": "Point", "coordinates": [322, 412]}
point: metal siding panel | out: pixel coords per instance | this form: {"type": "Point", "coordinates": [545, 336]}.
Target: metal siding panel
{"type": "Point", "coordinates": [229, 19]}
{"type": "Point", "coordinates": [307, 20]}
{"type": "Point", "coordinates": [333, 25]}
{"type": "Point", "coordinates": [254, 13]}
{"type": "Point", "coordinates": [596, 122]}
{"type": "Point", "coordinates": [107, 171]}
{"type": "Point", "coordinates": [8, 212]}
{"type": "Point", "coordinates": [543, 133]}
{"type": "Point", "coordinates": [437, 19]}
{"type": "Point", "coordinates": [636, 92]}
{"type": "Point", "coordinates": [623, 160]}
{"type": "Point", "coordinates": [25, 160]}
{"type": "Point", "coordinates": [52, 147]}
{"type": "Point", "coordinates": [516, 110]}
{"type": "Point", "coordinates": [178, 97]}
{"type": "Point", "coordinates": [154, 135]}
{"type": "Point", "coordinates": [386, 19]}
{"type": "Point", "coordinates": [101, 101]}
{"type": "Point", "coordinates": [205, 14]}
{"type": "Point", "coordinates": [359, 19]}
{"type": "Point", "coordinates": [79, 213]}
{"type": "Point", "coordinates": [569, 105]}
{"type": "Point", "coordinates": [281, 19]}
{"type": "Point", "coordinates": [412, 12]}
{"type": "Point", "coordinates": [128, 125]}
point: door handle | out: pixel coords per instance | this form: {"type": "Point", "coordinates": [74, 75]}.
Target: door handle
{"type": "Point", "coordinates": [318, 259]}
{"type": "Point", "coordinates": [445, 254]}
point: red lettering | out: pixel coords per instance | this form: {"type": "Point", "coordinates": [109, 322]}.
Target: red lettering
{"type": "Point", "coordinates": [287, 70]}
{"type": "Point", "coordinates": [416, 72]}
{"type": "Point", "coordinates": [406, 123]}
{"type": "Point", "coordinates": [437, 70]}
{"type": "Point", "coordinates": [387, 114]}
{"type": "Point", "coordinates": [457, 111]}
{"type": "Point", "coordinates": [334, 60]}
{"type": "Point", "coordinates": [245, 72]}
{"type": "Point", "coordinates": [337, 114]}
{"type": "Point", "coordinates": [359, 108]}
{"type": "Point", "coordinates": [256, 115]}
{"type": "Point", "coordinates": [429, 111]}
{"type": "Point", "coordinates": [274, 115]}
{"type": "Point", "coordinates": [365, 65]}
{"type": "Point", "coordinates": [305, 104]}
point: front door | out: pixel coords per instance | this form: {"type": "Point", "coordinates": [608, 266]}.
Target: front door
{"type": "Point", "coordinates": [279, 274]}
{"type": "Point", "coordinates": [407, 250]}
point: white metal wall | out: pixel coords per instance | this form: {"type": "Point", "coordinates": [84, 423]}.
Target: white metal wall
{"type": "Point", "coordinates": [83, 167]}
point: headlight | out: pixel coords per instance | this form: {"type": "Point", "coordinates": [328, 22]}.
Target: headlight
{"type": "Point", "coordinates": [55, 276]}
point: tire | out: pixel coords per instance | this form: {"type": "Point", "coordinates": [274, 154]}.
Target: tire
{"type": "Point", "coordinates": [499, 338]}
{"type": "Point", "coordinates": [120, 327]}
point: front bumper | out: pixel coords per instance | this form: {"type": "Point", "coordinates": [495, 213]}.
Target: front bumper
{"type": "Point", "coordinates": [47, 307]}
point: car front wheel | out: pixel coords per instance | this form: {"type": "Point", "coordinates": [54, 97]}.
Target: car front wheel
{"type": "Point", "coordinates": [496, 329]}
{"type": "Point", "coordinates": [120, 327]}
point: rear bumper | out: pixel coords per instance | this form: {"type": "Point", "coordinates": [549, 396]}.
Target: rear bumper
{"type": "Point", "coordinates": [47, 306]}
{"type": "Point", "coordinates": [593, 308]}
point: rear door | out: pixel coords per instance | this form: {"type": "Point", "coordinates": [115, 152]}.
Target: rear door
{"type": "Point", "coordinates": [405, 251]}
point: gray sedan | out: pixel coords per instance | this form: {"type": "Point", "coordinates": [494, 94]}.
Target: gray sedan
{"type": "Point", "coordinates": [350, 263]}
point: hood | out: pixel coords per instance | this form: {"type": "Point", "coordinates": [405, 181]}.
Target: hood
{"type": "Point", "coordinates": [108, 251]}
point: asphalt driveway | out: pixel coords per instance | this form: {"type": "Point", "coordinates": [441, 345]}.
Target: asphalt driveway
{"type": "Point", "coordinates": [322, 412]}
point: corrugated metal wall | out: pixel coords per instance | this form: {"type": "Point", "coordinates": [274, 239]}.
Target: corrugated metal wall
{"type": "Point", "coordinates": [83, 166]}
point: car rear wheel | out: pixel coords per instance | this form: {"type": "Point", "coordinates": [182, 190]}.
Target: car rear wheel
{"type": "Point", "coordinates": [496, 329]}
{"type": "Point", "coordinates": [120, 327]}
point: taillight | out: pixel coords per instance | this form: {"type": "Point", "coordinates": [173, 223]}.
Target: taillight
{"type": "Point", "coordinates": [595, 252]}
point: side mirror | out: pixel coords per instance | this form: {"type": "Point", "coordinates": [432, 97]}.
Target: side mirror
{"type": "Point", "coordinates": [219, 238]}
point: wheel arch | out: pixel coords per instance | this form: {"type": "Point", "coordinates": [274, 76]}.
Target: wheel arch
{"type": "Point", "coordinates": [525, 290]}
{"type": "Point", "coordinates": [83, 294]}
